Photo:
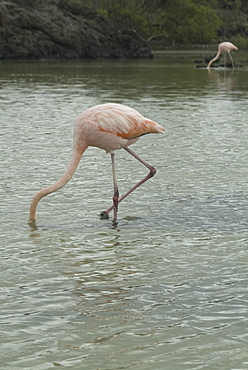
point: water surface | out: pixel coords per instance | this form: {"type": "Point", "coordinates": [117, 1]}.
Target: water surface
{"type": "Point", "coordinates": [166, 289]}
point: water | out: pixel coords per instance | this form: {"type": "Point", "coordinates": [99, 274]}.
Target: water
{"type": "Point", "coordinates": [166, 289]}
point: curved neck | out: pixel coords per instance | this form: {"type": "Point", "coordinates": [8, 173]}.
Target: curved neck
{"type": "Point", "coordinates": [215, 58]}
{"type": "Point", "coordinates": [76, 155]}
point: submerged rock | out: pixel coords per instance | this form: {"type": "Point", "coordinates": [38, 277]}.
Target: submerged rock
{"type": "Point", "coordinates": [63, 30]}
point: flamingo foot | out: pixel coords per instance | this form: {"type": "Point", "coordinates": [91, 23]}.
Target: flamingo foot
{"type": "Point", "coordinates": [104, 215]}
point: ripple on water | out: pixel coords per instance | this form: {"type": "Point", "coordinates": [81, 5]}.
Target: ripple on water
{"type": "Point", "coordinates": [167, 288]}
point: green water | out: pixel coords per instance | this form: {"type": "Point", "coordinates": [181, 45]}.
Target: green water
{"type": "Point", "coordinates": [166, 289]}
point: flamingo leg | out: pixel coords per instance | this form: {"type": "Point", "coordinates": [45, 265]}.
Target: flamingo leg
{"type": "Point", "coordinates": [231, 59]}
{"type": "Point", "coordinates": [116, 191]}
{"type": "Point", "coordinates": [104, 214]}
{"type": "Point", "coordinates": [225, 60]}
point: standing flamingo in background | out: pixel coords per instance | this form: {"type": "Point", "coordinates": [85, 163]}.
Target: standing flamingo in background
{"type": "Point", "coordinates": [109, 127]}
{"type": "Point", "coordinates": [226, 48]}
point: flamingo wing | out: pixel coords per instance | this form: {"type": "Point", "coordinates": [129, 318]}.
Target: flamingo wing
{"type": "Point", "coordinates": [124, 122]}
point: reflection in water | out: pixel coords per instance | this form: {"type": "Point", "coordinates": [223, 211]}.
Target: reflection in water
{"type": "Point", "coordinates": [168, 287]}
{"type": "Point", "coordinates": [33, 226]}
{"type": "Point", "coordinates": [225, 79]}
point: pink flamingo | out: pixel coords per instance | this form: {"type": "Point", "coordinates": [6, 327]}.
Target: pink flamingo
{"type": "Point", "coordinates": [109, 127]}
{"type": "Point", "coordinates": [226, 48]}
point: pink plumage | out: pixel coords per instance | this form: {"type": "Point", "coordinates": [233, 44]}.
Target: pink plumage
{"type": "Point", "coordinates": [226, 48]}
{"type": "Point", "coordinates": [110, 127]}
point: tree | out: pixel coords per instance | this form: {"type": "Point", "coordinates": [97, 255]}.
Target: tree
{"type": "Point", "coordinates": [235, 20]}
{"type": "Point", "coordinates": [179, 21]}
{"type": "Point", "coordinates": [186, 22]}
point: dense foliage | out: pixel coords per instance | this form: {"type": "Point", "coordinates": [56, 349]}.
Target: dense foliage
{"type": "Point", "coordinates": [174, 22]}
{"type": "Point", "coordinates": [180, 21]}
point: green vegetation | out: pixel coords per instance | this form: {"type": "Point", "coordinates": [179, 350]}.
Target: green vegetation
{"type": "Point", "coordinates": [173, 22]}
{"type": "Point", "coordinates": [179, 22]}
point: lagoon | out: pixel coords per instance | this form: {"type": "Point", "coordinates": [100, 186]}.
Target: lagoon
{"type": "Point", "coordinates": [167, 288]}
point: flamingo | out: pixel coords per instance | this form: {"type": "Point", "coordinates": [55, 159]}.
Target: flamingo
{"type": "Point", "coordinates": [224, 47]}
{"type": "Point", "coordinates": [110, 127]}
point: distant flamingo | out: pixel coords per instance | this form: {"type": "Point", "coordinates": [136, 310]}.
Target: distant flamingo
{"type": "Point", "coordinates": [226, 48]}
{"type": "Point", "coordinates": [109, 127]}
